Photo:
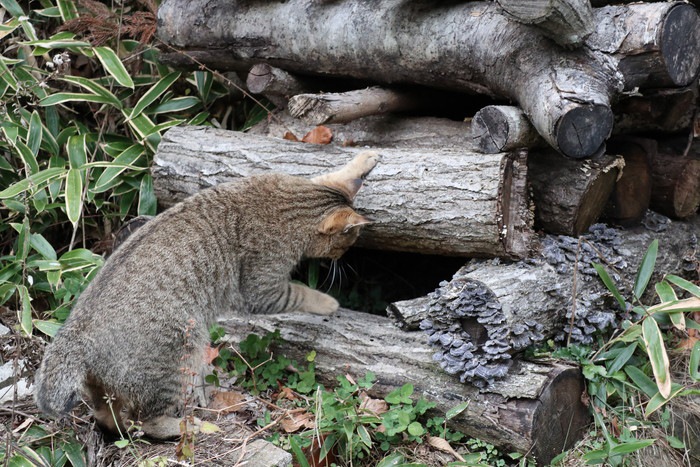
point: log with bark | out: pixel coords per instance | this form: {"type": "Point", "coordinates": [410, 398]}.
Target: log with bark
{"type": "Point", "coordinates": [316, 109]}
{"type": "Point", "coordinates": [570, 195]}
{"type": "Point", "coordinates": [537, 409]}
{"type": "Point", "coordinates": [631, 196]}
{"type": "Point", "coordinates": [492, 310]}
{"type": "Point", "coordinates": [675, 189]}
{"type": "Point", "coordinates": [443, 201]}
{"type": "Point", "coordinates": [567, 22]}
{"type": "Point", "coordinates": [472, 45]}
{"type": "Point", "coordinates": [566, 94]}
{"type": "Point", "coordinates": [378, 130]}
{"type": "Point", "coordinates": [666, 110]}
{"type": "Point", "coordinates": [497, 128]}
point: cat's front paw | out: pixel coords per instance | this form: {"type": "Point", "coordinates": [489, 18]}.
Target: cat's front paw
{"type": "Point", "coordinates": [364, 162]}
{"type": "Point", "coordinates": [323, 305]}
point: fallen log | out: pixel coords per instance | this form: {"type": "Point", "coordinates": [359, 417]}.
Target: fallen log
{"type": "Point", "coordinates": [497, 128]}
{"type": "Point", "coordinates": [317, 109]}
{"type": "Point", "coordinates": [631, 195]}
{"type": "Point", "coordinates": [566, 94]}
{"type": "Point", "coordinates": [653, 44]}
{"type": "Point", "coordinates": [567, 22]}
{"type": "Point", "coordinates": [675, 182]}
{"type": "Point", "coordinates": [570, 195]}
{"type": "Point", "coordinates": [670, 110]}
{"type": "Point", "coordinates": [537, 409]}
{"type": "Point", "coordinates": [491, 311]}
{"type": "Point", "coordinates": [265, 79]}
{"type": "Point", "coordinates": [378, 130]}
{"type": "Point", "coordinates": [446, 201]}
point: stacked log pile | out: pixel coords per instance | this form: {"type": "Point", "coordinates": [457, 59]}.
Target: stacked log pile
{"type": "Point", "coordinates": [592, 115]}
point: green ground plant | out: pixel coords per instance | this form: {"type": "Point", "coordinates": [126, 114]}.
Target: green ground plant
{"type": "Point", "coordinates": [629, 377]}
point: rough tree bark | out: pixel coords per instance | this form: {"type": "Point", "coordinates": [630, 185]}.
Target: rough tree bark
{"type": "Point", "coordinates": [675, 189]}
{"type": "Point", "coordinates": [442, 201]}
{"type": "Point", "coordinates": [347, 106]}
{"type": "Point", "coordinates": [536, 409]}
{"type": "Point", "coordinates": [669, 110]}
{"type": "Point", "coordinates": [566, 94]}
{"type": "Point", "coordinates": [490, 311]}
{"type": "Point", "coordinates": [631, 196]}
{"type": "Point", "coordinates": [567, 22]}
{"type": "Point", "coordinates": [378, 130]}
{"type": "Point", "coordinates": [654, 44]}
{"type": "Point", "coordinates": [570, 195]}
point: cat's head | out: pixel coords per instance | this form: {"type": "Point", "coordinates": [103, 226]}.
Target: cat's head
{"type": "Point", "coordinates": [336, 233]}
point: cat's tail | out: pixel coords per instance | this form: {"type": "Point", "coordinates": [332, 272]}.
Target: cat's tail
{"type": "Point", "coordinates": [60, 379]}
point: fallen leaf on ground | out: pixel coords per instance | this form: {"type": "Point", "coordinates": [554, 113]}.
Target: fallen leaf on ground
{"type": "Point", "coordinates": [210, 354]}
{"type": "Point", "coordinates": [227, 401]}
{"type": "Point", "coordinates": [295, 421]}
{"type": "Point", "coordinates": [319, 135]}
{"type": "Point", "coordinates": [375, 406]}
{"type": "Point", "coordinates": [444, 446]}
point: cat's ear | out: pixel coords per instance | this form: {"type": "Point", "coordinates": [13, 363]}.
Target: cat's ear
{"type": "Point", "coordinates": [348, 180]}
{"type": "Point", "coordinates": [341, 221]}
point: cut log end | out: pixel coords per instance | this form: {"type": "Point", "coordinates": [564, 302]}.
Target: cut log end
{"type": "Point", "coordinates": [688, 190]}
{"type": "Point", "coordinates": [564, 412]}
{"type": "Point", "coordinates": [582, 131]}
{"type": "Point", "coordinates": [679, 49]}
{"type": "Point", "coordinates": [259, 78]}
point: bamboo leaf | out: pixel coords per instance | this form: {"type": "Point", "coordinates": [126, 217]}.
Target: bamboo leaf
{"type": "Point", "coordinates": [62, 97]}
{"type": "Point", "coordinates": [67, 9]}
{"type": "Point", "coordinates": [117, 166]}
{"type": "Point", "coordinates": [34, 134]}
{"type": "Point", "coordinates": [51, 44]}
{"type": "Point", "coordinates": [641, 381]}
{"type": "Point", "coordinates": [42, 246]}
{"type": "Point", "coordinates": [13, 8]}
{"type": "Point", "coordinates": [147, 199]}
{"type": "Point", "coordinates": [25, 311]}
{"type": "Point", "coordinates": [95, 88]}
{"type": "Point", "coordinates": [176, 104]}
{"type": "Point", "coordinates": [77, 152]}
{"type": "Point", "coordinates": [28, 157]}
{"type": "Point", "coordinates": [74, 195]}
{"type": "Point", "coordinates": [694, 363]}
{"type": "Point", "coordinates": [653, 340]}
{"type": "Point", "coordinates": [667, 294]}
{"type": "Point", "coordinates": [456, 410]}
{"type": "Point", "coordinates": [683, 284]}
{"type": "Point", "coordinates": [687, 304]}
{"type": "Point", "coordinates": [610, 284]}
{"type": "Point", "coordinates": [50, 328]}
{"type": "Point", "coordinates": [114, 66]}
{"type": "Point", "coordinates": [154, 93]}
{"type": "Point", "coordinates": [646, 269]}
{"type": "Point", "coordinates": [33, 181]}
{"type": "Point", "coordinates": [658, 401]}
{"type": "Point", "coordinates": [621, 359]}
{"type": "Point", "coordinates": [630, 447]}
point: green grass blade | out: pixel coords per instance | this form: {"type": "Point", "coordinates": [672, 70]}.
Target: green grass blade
{"type": "Point", "coordinates": [176, 104]}
{"type": "Point", "coordinates": [646, 269]}
{"type": "Point", "coordinates": [42, 246]}
{"type": "Point", "coordinates": [114, 66]}
{"type": "Point", "coordinates": [13, 8]}
{"type": "Point", "coordinates": [147, 199]}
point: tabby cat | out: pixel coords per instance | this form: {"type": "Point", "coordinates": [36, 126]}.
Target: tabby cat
{"type": "Point", "coordinates": [228, 249]}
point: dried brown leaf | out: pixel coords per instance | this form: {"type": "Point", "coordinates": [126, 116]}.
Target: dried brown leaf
{"type": "Point", "coordinates": [375, 406]}
{"type": "Point", "coordinates": [227, 401]}
{"type": "Point", "coordinates": [296, 421]}
{"type": "Point", "coordinates": [290, 137]}
{"type": "Point", "coordinates": [319, 135]}
{"type": "Point", "coordinates": [444, 446]}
